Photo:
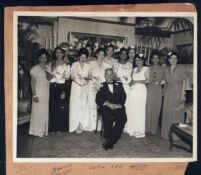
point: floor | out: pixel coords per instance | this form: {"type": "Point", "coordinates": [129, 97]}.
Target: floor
{"type": "Point", "coordinates": [89, 145]}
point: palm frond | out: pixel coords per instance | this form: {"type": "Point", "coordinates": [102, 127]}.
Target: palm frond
{"type": "Point", "coordinates": [177, 24]}
{"type": "Point", "coordinates": [27, 46]}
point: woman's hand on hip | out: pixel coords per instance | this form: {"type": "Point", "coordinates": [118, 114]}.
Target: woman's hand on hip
{"type": "Point", "coordinates": [36, 98]}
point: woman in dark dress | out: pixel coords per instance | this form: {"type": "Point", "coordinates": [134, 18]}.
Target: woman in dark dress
{"type": "Point", "coordinates": [174, 94]}
{"type": "Point", "coordinates": [69, 61]}
{"type": "Point", "coordinates": [59, 93]}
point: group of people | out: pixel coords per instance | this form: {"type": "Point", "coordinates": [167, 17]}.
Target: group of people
{"type": "Point", "coordinates": [128, 95]}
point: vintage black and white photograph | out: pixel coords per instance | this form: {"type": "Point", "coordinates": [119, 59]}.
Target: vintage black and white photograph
{"type": "Point", "coordinates": [105, 86]}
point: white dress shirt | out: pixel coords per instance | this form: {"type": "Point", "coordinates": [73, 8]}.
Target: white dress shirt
{"type": "Point", "coordinates": [110, 87]}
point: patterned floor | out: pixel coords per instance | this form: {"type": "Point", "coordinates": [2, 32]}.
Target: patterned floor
{"type": "Point", "coordinates": [89, 145]}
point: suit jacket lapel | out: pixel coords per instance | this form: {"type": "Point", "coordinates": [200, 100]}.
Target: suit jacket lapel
{"type": "Point", "coordinates": [114, 88]}
{"type": "Point", "coordinates": [107, 88]}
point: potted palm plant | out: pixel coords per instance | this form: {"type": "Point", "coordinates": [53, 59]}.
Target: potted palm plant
{"type": "Point", "coordinates": [27, 34]}
{"type": "Point", "coordinates": [27, 48]}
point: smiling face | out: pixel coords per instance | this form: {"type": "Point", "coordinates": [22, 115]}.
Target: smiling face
{"type": "Point", "coordinates": [109, 52]}
{"type": "Point", "coordinates": [155, 59]}
{"type": "Point", "coordinates": [123, 56]}
{"type": "Point", "coordinates": [131, 53]}
{"type": "Point", "coordinates": [83, 58]}
{"type": "Point", "coordinates": [59, 54]}
{"type": "Point", "coordinates": [100, 55]}
{"type": "Point", "coordinates": [139, 62]}
{"type": "Point", "coordinates": [43, 59]}
{"type": "Point", "coordinates": [173, 60]}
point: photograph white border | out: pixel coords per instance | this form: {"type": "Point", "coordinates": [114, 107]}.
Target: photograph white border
{"type": "Point", "coordinates": [101, 14]}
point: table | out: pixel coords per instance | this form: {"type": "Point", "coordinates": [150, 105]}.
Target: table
{"type": "Point", "coordinates": [188, 113]}
{"type": "Point", "coordinates": [185, 133]}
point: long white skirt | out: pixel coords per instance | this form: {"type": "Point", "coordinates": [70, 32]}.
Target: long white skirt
{"type": "Point", "coordinates": [136, 111]}
{"type": "Point", "coordinates": [91, 109]}
{"type": "Point", "coordinates": [40, 112]}
{"type": "Point", "coordinates": [127, 91]}
{"type": "Point", "coordinates": [78, 103]}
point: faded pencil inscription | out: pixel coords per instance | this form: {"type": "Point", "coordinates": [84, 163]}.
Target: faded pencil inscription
{"type": "Point", "coordinates": [61, 170]}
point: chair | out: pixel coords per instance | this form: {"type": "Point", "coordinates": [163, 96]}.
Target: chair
{"type": "Point", "coordinates": [99, 117]}
{"type": "Point", "coordinates": [24, 114]}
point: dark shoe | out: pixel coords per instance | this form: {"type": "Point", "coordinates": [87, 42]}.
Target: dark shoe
{"type": "Point", "coordinates": [110, 146]}
{"type": "Point", "coordinates": [107, 146]}
{"type": "Point", "coordinates": [148, 133]}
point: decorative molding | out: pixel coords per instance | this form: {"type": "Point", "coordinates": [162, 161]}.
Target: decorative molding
{"type": "Point", "coordinates": [98, 35]}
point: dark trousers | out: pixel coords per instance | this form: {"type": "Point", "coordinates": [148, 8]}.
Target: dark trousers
{"type": "Point", "coordinates": [112, 131]}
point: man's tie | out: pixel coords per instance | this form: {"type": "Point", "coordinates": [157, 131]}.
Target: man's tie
{"type": "Point", "coordinates": [110, 82]}
{"type": "Point", "coordinates": [110, 86]}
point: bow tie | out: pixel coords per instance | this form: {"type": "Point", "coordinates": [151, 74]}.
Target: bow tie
{"type": "Point", "coordinates": [110, 82]}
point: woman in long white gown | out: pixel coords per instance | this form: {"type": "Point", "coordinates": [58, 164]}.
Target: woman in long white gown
{"type": "Point", "coordinates": [96, 76]}
{"type": "Point", "coordinates": [40, 99]}
{"type": "Point", "coordinates": [123, 70]}
{"type": "Point", "coordinates": [138, 96]}
{"type": "Point", "coordinates": [78, 97]}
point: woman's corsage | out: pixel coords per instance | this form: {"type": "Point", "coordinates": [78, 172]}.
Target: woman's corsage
{"type": "Point", "coordinates": [58, 72]}
{"type": "Point", "coordinates": [141, 55]}
{"type": "Point", "coordinates": [79, 79]}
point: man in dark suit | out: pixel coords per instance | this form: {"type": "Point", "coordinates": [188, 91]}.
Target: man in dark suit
{"type": "Point", "coordinates": [111, 99]}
